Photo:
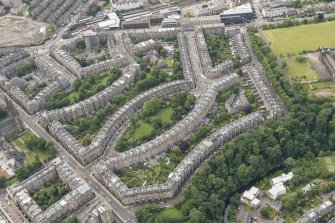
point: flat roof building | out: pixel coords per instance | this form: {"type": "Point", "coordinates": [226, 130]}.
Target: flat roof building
{"type": "Point", "coordinates": [113, 22]}
{"type": "Point", "coordinates": [240, 14]}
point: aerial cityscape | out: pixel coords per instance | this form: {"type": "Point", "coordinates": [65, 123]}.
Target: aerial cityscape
{"type": "Point", "coordinates": [167, 111]}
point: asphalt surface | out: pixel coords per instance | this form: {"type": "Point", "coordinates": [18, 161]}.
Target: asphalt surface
{"type": "Point", "coordinates": [125, 213]}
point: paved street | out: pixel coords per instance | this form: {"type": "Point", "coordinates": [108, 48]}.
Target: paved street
{"type": "Point", "coordinates": [124, 213]}
{"type": "Point", "coordinates": [8, 208]}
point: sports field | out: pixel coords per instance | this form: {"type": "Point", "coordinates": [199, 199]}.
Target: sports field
{"type": "Point", "coordinates": [289, 43]}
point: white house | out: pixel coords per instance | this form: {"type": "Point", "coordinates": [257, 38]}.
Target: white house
{"type": "Point", "coordinates": [276, 190]}
{"type": "Point", "coordinates": [284, 178]}
{"type": "Point", "coordinates": [250, 197]}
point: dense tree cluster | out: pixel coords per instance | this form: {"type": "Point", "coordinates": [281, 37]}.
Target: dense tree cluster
{"type": "Point", "coordinates": [50, 194]}
{"type": "Point", "coordinates": [270, 65]}
{"type": "Point", "coordinates": [161, 50]}
{"type": "Point", "coordinates": [25, 68]}
{"type": "Point", "coordinates": [151, 107]}
{"type": "Point", "coordinates": [308, 129]}
{"type": "Point", "coordinates": [3, 181]}
{"type": "Point", "coordinates": [42, 145]}
{"type": "Point", "coordinates": [218, 48]}
{"type": "Point", "coordinates": [291, 22]}
{"type": "Point", "coordinates": [83, 88]}
{"type": "Point", "coordinates": [267, 212]}
{"type": "Point", "coordinates": [24, 172]}
{"type": "Point", "coordinates": [94, 9]}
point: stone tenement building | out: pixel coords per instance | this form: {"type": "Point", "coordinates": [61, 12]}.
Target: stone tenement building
{"type": "Point", "coordinates": [327, 56]}
{"type": "Point", "coordinates": [79, 195]}
{"type": "Point", "coordinates": [34, 105]}
{"type": "Point", "coordinates": [57, 12]}
{"type": "Point", "coordinates": [269, 97]}
{"type": "Point", "coordinates": [158, 33]}
{"type": "Point", "coordinates": [87, 154]}
{"type": "Point", "coordinates": [185, 59]}
{"type": "Point", "coordinates": [239, 48]}
{"type": "Point", "coordinates": [100, 213]}
{"type": "Point", "coordinates": [9, 63]}
{"type": "Point", "coordinates": [237, 102]}
{"type": "Point", "coordinates": [94, 103]}
{"type": "Point", "coordinates": [47, 68]}
{"type": "Point", "coordinates": [209, 71]}
{"type": "Point", "coordinates": [14, 85]}
{"type": "Point", "coordinates": [14, 124]}
{"type": "Point", "coordinates": [184, 169]}
{"type": "Point", "coordinates": [63, 55]}
{"type": "Point", "coordinates": [141, 47]}
{"type": "Point", "coordinates": [174, 134]}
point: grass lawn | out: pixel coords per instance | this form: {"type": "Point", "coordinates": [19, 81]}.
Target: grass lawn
{"type": "Point", "coordinates": [143, 129]}
{"type": "Point", "coordinates": [168, 62]}
{"type": "Point", "coordinates": [294, 40]}
{"type": "Point", "coordinates": [289, 42]}
{"type": "Point", "coordinates": [329, 162]}
{"type": "Point", "coordinates": [303, 71]}
{"type": "Point", "coordinates": [21, 144]}
{"type": "Point", "coordinates": [165, 115]}
{"type": "Point", "coordinates": [323, 84]}
{"type": "Point", "coordinates": [175, 215]}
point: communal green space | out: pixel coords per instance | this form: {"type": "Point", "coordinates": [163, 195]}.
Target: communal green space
{"type": "Point", "coordinates": [83, 89]}
{"type": "Point", "coordinates": [155, 117]}
{"type": "Point", "coordinates": [32, 93]}
{"type": "Point", "coordinates": [33, 147]}
{"type": "Point", "coordinates": [50, 194]}
{"type": "Point", "coordinates": [301, 70]}
{"type": "Point", "coordinates": [168, 62]}
{"type": "Point", "coordinates": [157, 171]}
{"type": "Point", "coordinates": [25, 68]}
{"type": "Point", "coordinates": [218, 48]}
{"type": "Point", "coordinates": [174, 215]}
{"type": "Point", "coordinates": [289, 43]}
{"type": "Point", "coordinates": [145, 174]}
{"type": "Point", "coordinates": [85, 129]}
{"type": "Point", "coordinates": [37, 151]}
{"type": "Point", "coordinates": [295, 40]}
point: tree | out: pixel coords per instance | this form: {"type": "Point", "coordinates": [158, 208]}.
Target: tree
{"type": "Point", "coordinates": [25, 68]}
{"type": "Point", "coordinates": [94, 9]}
{"type": "Point", "coordinates": [2, 181]}
{"type": "Point", "coordinates": [197, 216]}
{"type": "Point", "coordinates": [265, 212]}
{"type": "Point", "coordinates": [151, 107]}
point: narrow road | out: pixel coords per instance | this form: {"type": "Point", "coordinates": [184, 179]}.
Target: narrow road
{"type": "Point", "coordinates": [123, 212]}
